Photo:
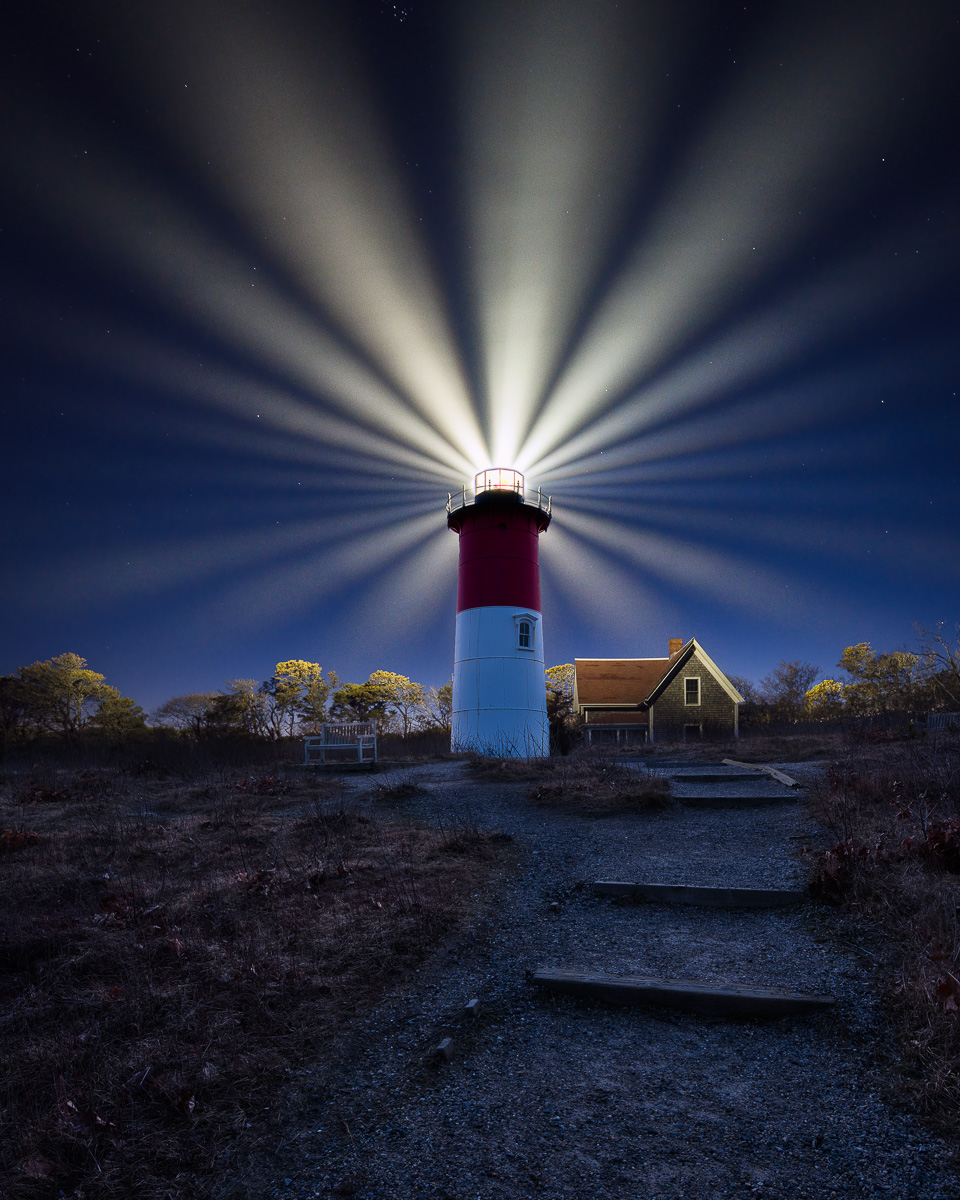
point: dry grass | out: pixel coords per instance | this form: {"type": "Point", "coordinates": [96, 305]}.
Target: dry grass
{"type": "Point", "coordinates": [507, 770]}
{"type": "Point", "coordinates": [172, 952]}
{"type": "Point", "coordinates": [894, 815]}
{"type": "Point", "coordinates": [754, 747]}
{"type": "Point", "coordinates": [596, 782]}
{"type": "Point", "coordinates": [402, 784]}
{"type": "Point", "coordinates": [592, 779]}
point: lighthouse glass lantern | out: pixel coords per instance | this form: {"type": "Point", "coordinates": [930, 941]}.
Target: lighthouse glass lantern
{"type": "Point", "coordinates": [499, 690]}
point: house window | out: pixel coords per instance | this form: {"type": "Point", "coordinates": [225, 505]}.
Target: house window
{"type": "Point", "coordinates": [692, 733]}
{"type": "Point", "coordinates": [524, 635]}
{"type": "Point", "coordinates": [691, 690]}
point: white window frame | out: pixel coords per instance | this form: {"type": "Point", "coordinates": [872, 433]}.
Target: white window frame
{"type": "Point", "coordinates": [526, 619]}
{"type": "Point", "coordinates": [691, 679]}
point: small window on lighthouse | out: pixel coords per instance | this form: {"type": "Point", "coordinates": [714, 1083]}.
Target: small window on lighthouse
{"type": "Point", "coordinates": [524, 635]}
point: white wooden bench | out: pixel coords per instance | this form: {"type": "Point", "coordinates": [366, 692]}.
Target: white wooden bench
{"type": "Point", "coordinates": [339, 737]}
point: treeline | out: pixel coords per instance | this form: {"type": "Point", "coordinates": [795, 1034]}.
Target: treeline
{"type": "Point", "coordinates": [299, 697]}
{"type": "Point", "coordinates": [63, 700]}
{"type": "Point", "coordinates": [873, 688]}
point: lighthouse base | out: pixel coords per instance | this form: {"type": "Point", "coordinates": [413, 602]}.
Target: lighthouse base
{"type": "Point", "coordinates": [499, 689]}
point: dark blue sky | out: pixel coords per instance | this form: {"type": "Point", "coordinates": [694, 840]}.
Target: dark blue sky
{"type": "Point", "coordinates": [693, 267]}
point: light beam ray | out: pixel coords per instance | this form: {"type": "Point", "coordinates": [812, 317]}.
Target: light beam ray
{"type": "Point", "coordinates": [762, 178]}
{"type": "Point", "coordinates": [667, 418]}
{"type": "Point", "coordinates": [555, 103]}
{"type": "Point", "coordinates": [605, 595]}
{"type": "Point", "coordinates": [410, 595]}
{"type": "Point", "coordinates": [297, 147]}
{"type": "Point", "coordinates": [740, 583]}
{"type": "Point", "coordinates": [162, 246]}
{"type": "Point", "coordinates": [294, 588]}
{"type": "Point", "coordinates": [261, 407]}
{"type": "Point", "coordinates": [169, 566]}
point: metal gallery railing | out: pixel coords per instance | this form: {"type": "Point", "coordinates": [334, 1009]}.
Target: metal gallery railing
{"type": "Point", "coordinates": [535, 499]}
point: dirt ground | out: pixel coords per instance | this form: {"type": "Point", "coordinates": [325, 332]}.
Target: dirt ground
{"type": "Point", "coordinates": [553, 1097]}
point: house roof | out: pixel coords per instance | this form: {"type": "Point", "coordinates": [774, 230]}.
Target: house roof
{"type": "Point", "coordinates": [617, 680]}
{"type": "Point", "coordinates": [638, 681]}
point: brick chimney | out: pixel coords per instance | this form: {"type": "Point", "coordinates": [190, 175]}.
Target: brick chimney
{"type": "Point", "coordinates": [674, 646]}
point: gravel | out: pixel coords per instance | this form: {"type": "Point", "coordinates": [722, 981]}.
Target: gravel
{"type": "Point", "coordinates": [554, 1097]}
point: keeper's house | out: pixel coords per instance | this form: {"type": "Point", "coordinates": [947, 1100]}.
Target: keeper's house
{"type": "Point", "coordinates": [629, 700]}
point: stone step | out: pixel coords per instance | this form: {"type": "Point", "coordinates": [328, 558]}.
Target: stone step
{"type": "Point", "coordinates": [732, 777]}
{"type": "Point", "coordinates": [665, 764]}
{"type": "Point", "coordinates": [741, 801]}
{"type": "Point", "coordinates": [713, 999]}
{"type": "Point", "coordinates": [703, 897]}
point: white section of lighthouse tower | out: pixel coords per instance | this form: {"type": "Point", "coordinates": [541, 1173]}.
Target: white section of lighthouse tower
{"type": "Point", "coordinates": [499, 689]}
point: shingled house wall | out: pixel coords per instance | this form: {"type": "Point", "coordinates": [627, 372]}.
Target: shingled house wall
{"type": "Point", "coordinates": [716, 714]}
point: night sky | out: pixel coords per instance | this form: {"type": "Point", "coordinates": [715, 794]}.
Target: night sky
{"type": "Point", "coordinates": [276, 278]}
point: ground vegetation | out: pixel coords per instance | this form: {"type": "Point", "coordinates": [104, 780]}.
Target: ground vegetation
{"type": "Point", "coordinates": [892, 862]}
{"type": "Point", "coordinates": [175, 951]}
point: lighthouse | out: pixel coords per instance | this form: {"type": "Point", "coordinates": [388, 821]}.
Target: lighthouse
{"type": "Point", "coordinates": [499, 690]}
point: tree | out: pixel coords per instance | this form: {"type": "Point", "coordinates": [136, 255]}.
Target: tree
{"type": "Point", "coordinates": [62, 693]}
{"type": "Point", "coordinates": [826, 700]}
{"type": "Point", "coordinates": [438, 706]}
{"type": "Point", "coordinates": [296, 692]}
{"type": "Point", "coordinates": [286, 693]}
{"type": "Point", "coordinates": [250, 706]}
{"type": "Point", "coordinates": [562, 719]}
{"type": "Point", "coordinates": [386, 698]}
{"type": "Point", "coordinates": [185, 713]}
{"type": "Point", "coordinates": [747, 689]}
{"type": "Point", "coordinates": [882, 683]}
{"type": "Point", "coordinates": [785, 689]}
{"type": "Point", "coordinates": [943, 656]}
{"type": "Point", "coordinates": [754, 710]}
{"type": "Point", "coordinates": [313, 706]}
{"type": "Point", "coordinates": [561, 680]}
{"type": "Point", "coordinates": [404, 698]}
{"type": "Point", "coordinates": [226, 716]}
{"type": "Point", "coordinates": [359, 702]}
{"type": "Point", "coordinates": [117, 716]}
{"type": "Point", "coordinates": [16, 724]}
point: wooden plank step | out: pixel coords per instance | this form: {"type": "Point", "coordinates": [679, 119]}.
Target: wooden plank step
{"type": "Point", "coordinates": [703, 897]}
{"type": "Point", "coordinates": [741, 801]}
{"type": "Point", "coordinates": [732, 777]}
{"type": "Point", "coordinates": [670, 764]}
{"type": "Point", "coordinates": [786, 780]}
{"type": "Point", "coordinates": [713, 999]}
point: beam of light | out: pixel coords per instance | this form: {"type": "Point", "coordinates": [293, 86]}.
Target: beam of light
{"type": "Point", "coordinates": [334, 547]}
{"type": "Point", "coordinates": [740, 583]}
{"type": "Point", "coordinates": [262, 410]}
{"type": "Point", "coordinates": [296, 587]}
{"type": "Point", "coordinates": [656, 377]}
{"type": "Point", "coordinates": [668, 415]}
{"type": "Point", "coordinates": [165, 248]}
{"type": "Point", "coordinates": [761, 179]}
{"type": "Point", "coordinates": [596, 585]}
{"type": "Point", "coordinates": [552, 102]}
{"type": "Point", "coordinates": [296, 146]}
{"type": "Point", "coordinates": [416, 592]}
{"type": "Point", "coordinates": [768, 413]}
{"type": "Point", "coordinates": [887, 544]}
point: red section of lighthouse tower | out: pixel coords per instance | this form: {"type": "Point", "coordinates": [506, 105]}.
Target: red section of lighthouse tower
{"type": "Point", "coordinates": [499, 554]}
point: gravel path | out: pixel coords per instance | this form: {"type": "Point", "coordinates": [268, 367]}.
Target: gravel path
{"type": "Point", "coordinates": [553, 1097]}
